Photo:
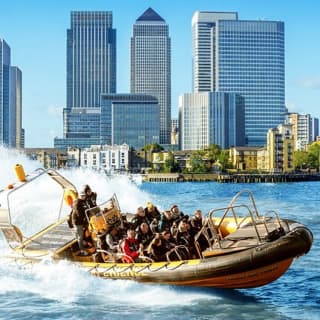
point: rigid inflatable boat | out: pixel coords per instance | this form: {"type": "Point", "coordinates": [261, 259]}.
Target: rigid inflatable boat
{"type": "Point", "coordinates": [243, 248]}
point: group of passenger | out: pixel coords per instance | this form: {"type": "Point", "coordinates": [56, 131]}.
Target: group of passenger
{"type": "Point", "coordinates": [169, 235]}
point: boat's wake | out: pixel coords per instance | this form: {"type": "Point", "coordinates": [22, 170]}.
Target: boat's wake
{"type": "Point", "coordinates": [67, 283]}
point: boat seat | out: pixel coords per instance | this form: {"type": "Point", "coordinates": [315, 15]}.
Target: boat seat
{"type": "Point", "coordinates": [250, 232]}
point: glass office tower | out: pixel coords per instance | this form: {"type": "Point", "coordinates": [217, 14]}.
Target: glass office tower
{"type": "Point", "coordinates": [91, 71]}
{"type": "Point", "coordinates": [151, 65]}
{"type": "Point", "coordinates": [130, 118]}
{"type": "Point", "coordinates": [4, 92]}
{"type": "Point", "coordinates": [211, 118]}
{"type": "Point", "coordinates": [244, 57]}
{"type": "Point", "coordinates": [15, 124]}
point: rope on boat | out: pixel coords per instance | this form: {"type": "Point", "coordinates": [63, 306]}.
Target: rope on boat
{"type": "Point", "coordinates": [143, 268]}
{"type": "Point", "coordinates": [159, 268]}
{"type": "Point", "coordinates": [177, 266]}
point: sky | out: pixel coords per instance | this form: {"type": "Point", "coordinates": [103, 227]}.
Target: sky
{"type": "Point", "coordinates": [35, 30]}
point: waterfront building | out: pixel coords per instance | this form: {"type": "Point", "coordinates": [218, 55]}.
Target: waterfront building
{"type": "Point", "coordinates": [244, 158]}
{"type": "Point", "coordinates": [91, 71]}
{"type": "Point", "coordinates": [11, 133]}
{"type": "Point", "coordinates": [263, 160]}
{"type": "Point", "coordinates": [151, 65]}
{"type": "Point", "coordinates": [211, 118]}
{"type": "Point", "coordinates": [106, 158]}
{"type": "Point", "coordinates": [244, 57]}
{"type": "Point", "coordinates": [280, 147]}
{"type": "Point", "coordinates": [130, 118]}
{"type": "Point", "coordinates": [73, 157]}
{"type": "Point", "coordinates": [48, 157]}
{"type": "Point", "coordinates": [302, 129]}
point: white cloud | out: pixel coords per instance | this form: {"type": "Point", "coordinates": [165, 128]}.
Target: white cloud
{"type": "Point", "coordinates": [311, 83]}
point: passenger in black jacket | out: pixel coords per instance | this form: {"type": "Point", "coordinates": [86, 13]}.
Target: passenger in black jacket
{"type": "Point", "coordinates": [79, 218]}
{"type": "Point", "coordinates": [91, 197]}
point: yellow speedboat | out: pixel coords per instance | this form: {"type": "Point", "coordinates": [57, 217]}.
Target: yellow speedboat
{"type": "Point", "coordinates": [243, 249]}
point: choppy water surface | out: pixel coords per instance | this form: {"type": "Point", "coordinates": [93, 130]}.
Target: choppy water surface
{"type": "Point", "coordinates": [62, 291]}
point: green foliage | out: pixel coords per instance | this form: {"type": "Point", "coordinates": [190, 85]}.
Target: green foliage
{"type": "Point", "coordinates": [152, 147]}
{"type": "Point", "coordinates": [170, 164]}
{"type": "Point", "coordinates": [198, 165]}
{"type": "Point", "coordinates": [300, 159]}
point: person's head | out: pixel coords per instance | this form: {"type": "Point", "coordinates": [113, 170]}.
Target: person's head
{"type": "Point", "coordinates": [82, 194]}
{"type": "Point", "coordinates": [175, 211]}
{"type": "Point", "coordinates": [183, 225]}
{"type": "Point", "coordinates": [150, 206]}
{"type": "Point", "coordinates": [144, 227]}
{"type": "Point", "coordinates": [167, 214]}
{"type": "Point", "coordinates": [131, 233]}
{"type": "Point", "coordinates": [198, 214]}
{"type": "Point", "coordinates": [157, 240]}
{"type": "Point", "coordinates": [140, 212]}
{"type": "Point", "coordinates": [166, 234]}
{"type": "Point", "coordinates": [87, 189]}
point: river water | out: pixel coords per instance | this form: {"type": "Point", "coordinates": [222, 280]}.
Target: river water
{"type": "Point", "coordinates": [62, 291]}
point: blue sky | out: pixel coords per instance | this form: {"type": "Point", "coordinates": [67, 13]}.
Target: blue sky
{"type": "Point", "coordinates": [36, 33]}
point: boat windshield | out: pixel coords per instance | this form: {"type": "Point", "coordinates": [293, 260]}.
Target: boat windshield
{"type": "Point", "coordinates": [37, 203]}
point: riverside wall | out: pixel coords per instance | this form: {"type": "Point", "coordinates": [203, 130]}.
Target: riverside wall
{"type": "Point", "coordinates": [230, 178]}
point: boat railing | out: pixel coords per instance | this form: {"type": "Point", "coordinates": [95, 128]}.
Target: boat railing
{"type": "Point", "coordinates": [214, 229]}
{"type": "Point", "coordinates": [252, 202]}
{"type": "Point", "coordinates": [211, 232]}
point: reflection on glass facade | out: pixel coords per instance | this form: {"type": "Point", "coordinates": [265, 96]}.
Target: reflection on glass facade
{"type": "Point", "coordinates": [91, 58]}
{"type": "Point", "coordinates": [247, 57]}
{"type": "Point", "coordinates": [91, 71]}
{"type": "Point", "coordinates": [151, 65]}
{"type": "Point", "coordinates": [130, 118]}
{"type": "Point", "coordinates": [211, 118]}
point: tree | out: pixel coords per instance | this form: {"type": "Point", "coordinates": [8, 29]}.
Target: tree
{"type": "Point", "coordinates": [224, 160]}
{"type": "Point", "coordinates": [171, 164]}
{"type": "Point", "coordinates": [314, 155]}
{"type": "Point", "coordinates": [300, 159]}
{"type": "Point", "coordinates": [197, 163]}
{"type": "Point", "coordinates": [152, 147]}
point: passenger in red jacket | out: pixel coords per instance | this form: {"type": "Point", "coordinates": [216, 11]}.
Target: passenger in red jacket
{"type": "Point", "coordinates": [131, 247]}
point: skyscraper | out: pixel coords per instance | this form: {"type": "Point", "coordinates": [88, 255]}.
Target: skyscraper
{"type": "Point", "coordinates": [151, 65]}
{"type": "Point", "coordinates": [11, 133]}
{"type": "Point", "coordinates": [244, 57]}
{"type": "Point", "coordinates": [130, 118]}
{"type": "Point", "coordinates": [4, 91]}
{"type": "Point", "coordinates": [210, 118]}
{"type": "Point", "coordinates": [91, 71]}
{"type": "Point", "coordinates": [15, 127]}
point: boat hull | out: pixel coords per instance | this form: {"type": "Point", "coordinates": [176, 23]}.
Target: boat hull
{"type": "Point", "coordinates": [245, 269]}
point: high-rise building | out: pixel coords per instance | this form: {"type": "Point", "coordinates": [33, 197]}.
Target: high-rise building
{"type": "Point", "coordinates": [11, 133]}
{"type": "Point", "coordinates": [4, 92]}
{"type": "Point", "coordinates": [15, 127]}
{"type": "Point", "coordinates": [151, 65]}
{"type": "Point", "coordinates": [91, 71]}
{"type": "Point", "coordinates": [210, 118]}
{"type": "Point", "coordinates": [130, 118]}
{"type": "Point", "coordinates": [244, 57]}
{"type": "Point", "coordinates": [280, 147]}
{"type": "Point", "coordinates": [301, 129]}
